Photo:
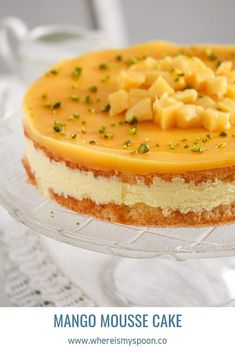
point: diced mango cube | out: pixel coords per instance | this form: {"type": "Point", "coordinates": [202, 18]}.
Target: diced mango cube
{"type": "Point", "coordinates": [118, 102]}
{"type": "Point", "coordinates": [198, 63]}
{"type": "Point", "coordinates": [151, 76]}
{"type": "Point", "coordinates": [166, 112]}
{"type": "Point", "coordinates": [224, 67]}
{"type": "Point", "coordinates": [228, 105]}
{"type": "Point", "coordinates": [187, 96]}
{"type": "Point", "coordinates": [179, 83]}
{"type": "Point", "coordinates": [217, 86]}
{"type": "Point", "coordinates": [132, 79]}
{"type": "Point", "coordinates": [215, 120]}
{"type": "Point", "coordinates": [182, 63]}
{"type": "Point", "coordinates": [230, 76]}
{"type": "Point", "coordinates": [189, 116]}
{"type": "Point", "coordinates": [159, 87]}
{"type": "Point", "coordinates": [206, 102]}
{"type": "Point", "coordinates": [135, 95]}
{"type": "Point", "coordinates": [148, 64]}
{"type": "Point", "coordinates": [141, 110]}
{"type": "Point", "coordinates": [176, 78]}
{"type": "Point", "coordinates": [166, 63]}
{"type": "Point", "coordinates": [230, 92]}
{"type": "Point", "coordinates": [199, 79]}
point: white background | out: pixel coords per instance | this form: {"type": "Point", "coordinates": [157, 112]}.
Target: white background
{"type": "Point", "coordinates": [183, 21]}
{"type": "Point", "coordinates": [31, 330]}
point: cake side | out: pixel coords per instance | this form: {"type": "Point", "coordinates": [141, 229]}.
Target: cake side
{"type": "Point", "coordinates": [161, 203]}
{"type": "Point", "coordinates": [141, 214]}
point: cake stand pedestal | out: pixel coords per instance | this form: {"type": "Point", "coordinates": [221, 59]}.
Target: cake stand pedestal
{"type": "Point", "coordinates": [161, 282]}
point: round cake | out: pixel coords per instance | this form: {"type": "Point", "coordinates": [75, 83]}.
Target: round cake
{"type": "Point", "coordinates": [143, 135]}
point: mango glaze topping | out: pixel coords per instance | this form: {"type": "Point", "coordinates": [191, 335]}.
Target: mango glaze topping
{"type": "Point", "coordinates": [153, 107]}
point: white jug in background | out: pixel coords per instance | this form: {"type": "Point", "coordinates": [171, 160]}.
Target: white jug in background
{"type": "Point", "coordinates": [28, 54]}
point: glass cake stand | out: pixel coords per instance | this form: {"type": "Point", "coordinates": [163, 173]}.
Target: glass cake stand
{"type": "Point", "coordinates": [147, 267]}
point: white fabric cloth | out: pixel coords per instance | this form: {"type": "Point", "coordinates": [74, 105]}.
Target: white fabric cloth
{"type": "Point", "coordinates": [31, 277]}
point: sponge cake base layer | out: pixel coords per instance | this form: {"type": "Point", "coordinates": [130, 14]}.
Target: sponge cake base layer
{"type": "Point", "coordinates": [141, 214]}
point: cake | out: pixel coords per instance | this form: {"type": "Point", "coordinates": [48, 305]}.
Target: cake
{"type": "Point", "coordinates": [143, 135]}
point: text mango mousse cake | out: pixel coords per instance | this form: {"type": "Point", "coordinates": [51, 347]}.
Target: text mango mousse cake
{"type": "Point", "coordinates": [143, 135]}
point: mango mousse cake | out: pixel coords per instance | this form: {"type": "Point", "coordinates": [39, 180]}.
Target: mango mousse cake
{"type": "Point", "coordinates": [143, 135]}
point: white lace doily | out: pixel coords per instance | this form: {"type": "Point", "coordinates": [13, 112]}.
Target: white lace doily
{"type": "Point", "coordinates": [31, 277]}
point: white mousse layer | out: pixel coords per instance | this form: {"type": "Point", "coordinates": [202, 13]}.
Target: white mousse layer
{"type": "Point", "coordinates": [174, 195]}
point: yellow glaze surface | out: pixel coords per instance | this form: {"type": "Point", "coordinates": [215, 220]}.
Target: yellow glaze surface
{"type": "Point", "coordinates": [167, 149]}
